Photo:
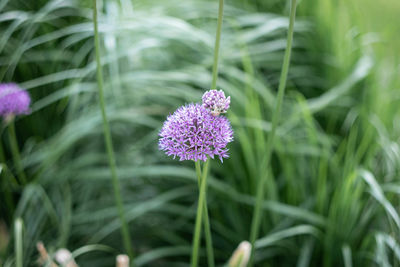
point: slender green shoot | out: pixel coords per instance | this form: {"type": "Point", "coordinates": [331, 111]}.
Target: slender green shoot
{"type": "Point", "coordinates": [18, 243]}
{"type": "Point", "coordinates": [108, 141]}
{"type": "Point", "coordinates": [199, 215]}
{"type": "Point", "coordinates": [206, 221]}
{"type": "Point", "coordinates": [216, 46]}
{"type": "Point", "coordinates": [255, 226]}
{"type": "Point", "coordinates": [15, 152]}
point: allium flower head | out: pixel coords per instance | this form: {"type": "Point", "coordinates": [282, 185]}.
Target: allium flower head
{"type": "Point", "coordinates": [13, 100]}
{"type": "Point", "coordinates": [216, 102]}
{"type": "Point", "coordinates": [193, 133]}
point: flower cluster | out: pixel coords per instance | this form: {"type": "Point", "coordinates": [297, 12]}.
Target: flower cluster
{"type": "Point", "coordinates": [13, 100]}
{"type": "Point", "coordinates": [192, 132]}
{"type": "Point", "coordinates": [216, 102]}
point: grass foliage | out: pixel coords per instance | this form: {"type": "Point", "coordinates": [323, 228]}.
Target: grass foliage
{"type": "Point", "coordinates": [333, 189]}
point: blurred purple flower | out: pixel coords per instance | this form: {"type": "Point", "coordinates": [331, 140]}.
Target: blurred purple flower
{"type": "Point", "coordinates": [216, 102]}
{"type": "Point", "coordinates": [193, 133]}
{"type": "Point", "coordinates": [13, 100]}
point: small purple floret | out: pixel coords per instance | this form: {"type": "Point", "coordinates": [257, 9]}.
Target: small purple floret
{"type": "Point", "coordinates": [13, 100]}
{"type": "Point", "coordinates": [216, 102]}
{"type": "Point", "coordinates": [193, 133]}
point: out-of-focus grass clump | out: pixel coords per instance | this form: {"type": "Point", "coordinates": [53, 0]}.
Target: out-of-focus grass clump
{"type": "Point", "coordinates": [334, 196]}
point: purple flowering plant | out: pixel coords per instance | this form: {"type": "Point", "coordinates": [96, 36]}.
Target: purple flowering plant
{"type": "Point", "coordinates": [196, 132]}
{"type": "Point", "coordinates": [13, 100]}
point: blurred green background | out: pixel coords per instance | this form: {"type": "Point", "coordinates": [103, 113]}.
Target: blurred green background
{"type": "Point", "coordinates": [333, 199]}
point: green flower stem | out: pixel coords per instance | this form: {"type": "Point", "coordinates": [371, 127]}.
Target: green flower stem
{"type": "Point", "coordinates": [217, 42]}
{"type": "Point", "coordinates": [15, 152]}
{"type": "Point", "coordinates": [2, 157]}
{"type": "Point", "coordinates": [255, 226]}
{"type": "Point", "coordinates": [108, 141]}
{"type": "Point", "coordinates": [7, 181]}
{"type": "Point", "coordinates": [206, 221]}
{"type": "Point", "coordinates": [198, 172]}
{"type": "Point", "coordinates": [202, 204]}
{"type": "Point", "coordinates": [8, 178]}
{"type": "Point", "coordinates": [199, 215]}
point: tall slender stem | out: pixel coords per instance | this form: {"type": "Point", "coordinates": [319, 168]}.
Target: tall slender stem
{"type": "Point", "coordinates": [198, 172]}
{"type": "Point", "coordinates": [2, 157]}
{"type": "Point", "coordinates": [199, 215]}
{"type": "Point", "coordinates": [202, 204]}
{"type": "Point", "coordinates": [15, 152]}
{"type": "Point", "coordinates": [255, 226]}
{"type": "Point", "coordinates": [217, 42]}
{"type": "Point", "coordinates": [206, 221]}
{"type": "Point", "coordinates": [108, 141]}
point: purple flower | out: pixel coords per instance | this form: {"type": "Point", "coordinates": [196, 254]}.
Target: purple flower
{"type": "Point", "coordinates": [13, 100]}
{"type": "Point", "coordinates": [193, 133]}
{"type": "Point", "coordinates": [216, 101]}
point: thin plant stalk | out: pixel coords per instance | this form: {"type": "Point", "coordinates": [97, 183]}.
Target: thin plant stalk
{"type": "Point", "coordinates": [108, 141]}
{"type": "Point", "coordinates": [7, 193]}
{"type": "Point", "coordinates": [206, 221]}
{"type": "Point", "coordinates": [202, 205]}
{"type": "Point", "coordinates": [18, 243]}
{"type": "Point", "coordinates": [216, 46]}
{"type": "Point", "coordinates": [15, 152]}
{"type": "Point", "coordinates": [199, 215]}
{"type": "Point", "coordinates": [255, 226]}
{"type": "Point", "coordinates": [203, 182]}
{"type": "Point", "coordinates": [7, 182]}
{"type": "Point", "coordinates": [2, 157]}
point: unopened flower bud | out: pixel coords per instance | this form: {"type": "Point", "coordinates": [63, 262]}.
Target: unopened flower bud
{"type": "Point", "coordinates": [241, 255]}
